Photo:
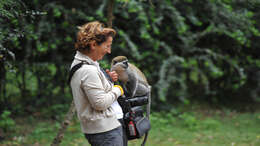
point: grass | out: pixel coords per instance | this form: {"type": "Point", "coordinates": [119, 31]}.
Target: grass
{"type": "Point", "coordinates": [201, 127]}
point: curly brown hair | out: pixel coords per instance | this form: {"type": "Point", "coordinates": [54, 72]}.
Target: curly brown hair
{"type": "Point", "coordinates": [92, 31]}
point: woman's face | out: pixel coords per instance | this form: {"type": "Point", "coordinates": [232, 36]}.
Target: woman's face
{"type": "Point", "coordinates": [103, 49]}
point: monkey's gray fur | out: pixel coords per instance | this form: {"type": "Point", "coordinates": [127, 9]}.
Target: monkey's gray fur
{"type": "Point", "coordinates": [130, 76]}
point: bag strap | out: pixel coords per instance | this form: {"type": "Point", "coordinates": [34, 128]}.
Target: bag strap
{"type": "Point", "coordinates": [78, 66]}
{"type": "Point", "coordinates": [74, 69]}
{"type": "Point", "coordinates": [148, 110]}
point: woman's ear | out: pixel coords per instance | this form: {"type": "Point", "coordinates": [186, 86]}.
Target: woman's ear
{"type": "Point", "coordinates": [93, 44]}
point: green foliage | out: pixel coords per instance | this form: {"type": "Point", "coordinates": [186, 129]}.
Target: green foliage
{"type": "Point", "coordinates": [9, 11]}
{"type": "Point", "coordinates": [6, 122]}
{"type": "Point", "coordinates": [199, 50]}
{"type": "Point", "coordinates": [163, 119]}
{"type": "Point", "coordinates": [197, 57]}
{"type": "Point", "coordinates": [56, 110]}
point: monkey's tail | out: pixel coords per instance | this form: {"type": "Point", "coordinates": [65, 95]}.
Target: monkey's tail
{"type": "Point", "coordinates": [148, 108]}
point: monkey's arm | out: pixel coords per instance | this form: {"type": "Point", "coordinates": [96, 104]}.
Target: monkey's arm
{"type": "Point", "coordinates": [132, 84]}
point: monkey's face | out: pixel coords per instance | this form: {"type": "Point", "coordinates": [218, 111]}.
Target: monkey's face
{"type": "Point", "coordinates": [121, 69]}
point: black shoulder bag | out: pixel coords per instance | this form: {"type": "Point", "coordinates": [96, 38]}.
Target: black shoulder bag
{"type": "Point", "coordinates": [136, 123]}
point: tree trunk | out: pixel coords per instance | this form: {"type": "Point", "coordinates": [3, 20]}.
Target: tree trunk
{"type": "Point", "coordinates": [57, 140]}
{"type": "Point", "coordinates": [110, 16]}
{"type": "Point", "coordinates": [2, 85]}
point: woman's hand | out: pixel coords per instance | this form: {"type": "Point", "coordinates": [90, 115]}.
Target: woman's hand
{"type": "Point", "coordinates": [113, 75]}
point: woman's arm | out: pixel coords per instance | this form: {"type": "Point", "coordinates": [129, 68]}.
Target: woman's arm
{"type": "Point", "coordinates": [93, 88]}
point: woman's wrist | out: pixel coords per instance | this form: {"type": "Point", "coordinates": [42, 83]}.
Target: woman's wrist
{"type": "Point", "coordinates": [121, 89]}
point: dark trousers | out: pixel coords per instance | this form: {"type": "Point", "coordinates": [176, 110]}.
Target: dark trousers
{"type": "Point", "coordinates": [110, 138]}
{"type": "Point", "coordinates": [124, 132]}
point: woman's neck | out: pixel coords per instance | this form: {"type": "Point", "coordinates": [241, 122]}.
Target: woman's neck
{"type": "Point", "coordinates": [90, 54]}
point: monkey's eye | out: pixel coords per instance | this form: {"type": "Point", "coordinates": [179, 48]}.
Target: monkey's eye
{"type": "Point", "coordinates": [125, 63]}
{"type": "Point", "coordinates": [115, 62]}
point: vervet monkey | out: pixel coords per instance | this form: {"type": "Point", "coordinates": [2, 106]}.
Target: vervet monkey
{"type": "Point", "coordinates": [132, 79]}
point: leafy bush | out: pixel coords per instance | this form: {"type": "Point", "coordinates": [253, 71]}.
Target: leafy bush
{"type": "Point", "coordinates": [6, 122]}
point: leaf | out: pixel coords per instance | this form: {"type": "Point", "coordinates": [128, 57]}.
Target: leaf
{"type": "Point", "coordinates": [56, 12]}
{"type": "Point", "coordinates": [194, 76]}
{"type": "Point", "coordinates": [11, 54]}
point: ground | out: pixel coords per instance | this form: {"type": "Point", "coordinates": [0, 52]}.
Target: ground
{"type": "Point", "coordinates": [193, 127]}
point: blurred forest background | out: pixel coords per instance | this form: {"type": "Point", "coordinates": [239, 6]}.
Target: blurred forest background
{"type": "Point", "coordinates": [191, 51]}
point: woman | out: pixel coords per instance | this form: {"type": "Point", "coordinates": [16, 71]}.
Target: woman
{"type": "Point", "coordinates": [94, 95]}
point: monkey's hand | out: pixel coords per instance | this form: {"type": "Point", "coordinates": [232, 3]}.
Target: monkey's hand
{"type": "Point", "coordinates": [113, 75]}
